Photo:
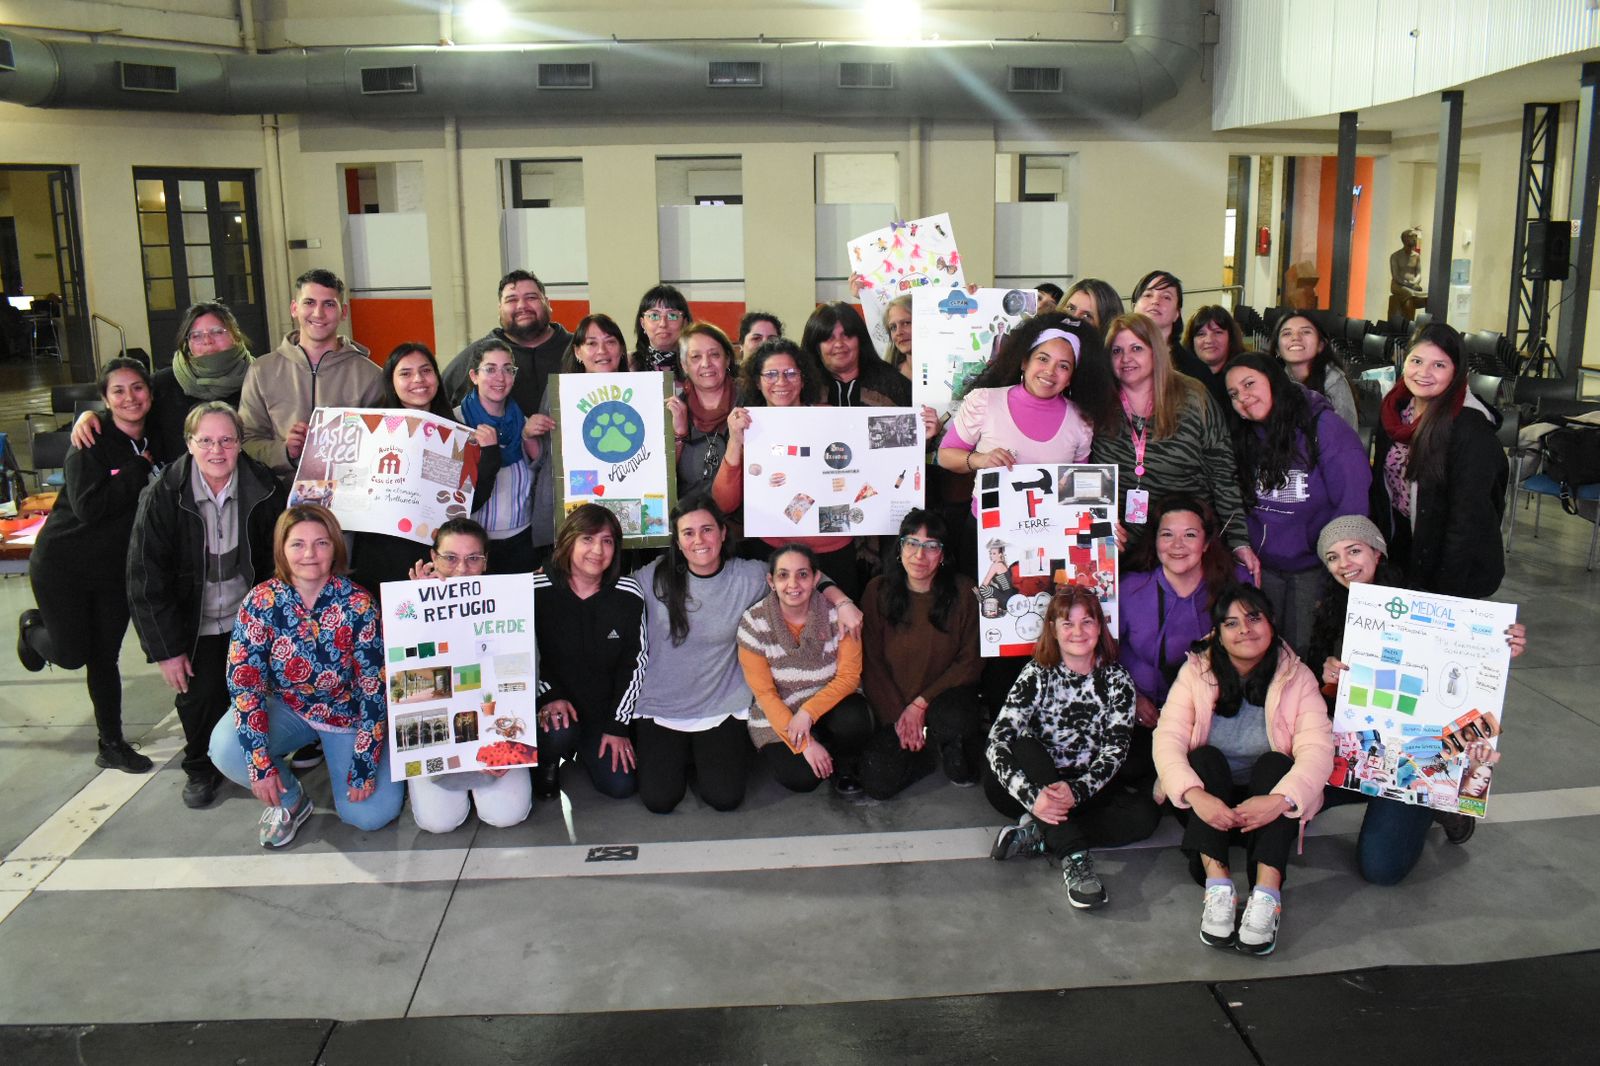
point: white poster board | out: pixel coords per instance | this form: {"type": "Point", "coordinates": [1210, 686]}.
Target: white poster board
{"type": "Point", "coordinates": [1427, 679]}
{"type": "Point", "coordinates": [461, 679]}
{"type": "Point", "coordinates": [403, 473]}
{"type": "Point", "coordinates": [614, 448]}
{"type": "Point", "coordinates": [1041, 526]}
{"type": "Point", "coordinates": [954, 335]}
{"type": "Point", "coordinates": [900, 258]}
{"type": "Point", "coordinates": [825, 471]}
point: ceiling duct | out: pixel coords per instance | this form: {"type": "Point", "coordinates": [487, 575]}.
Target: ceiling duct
{"type": "Point", "coordinates": [1001, 80]}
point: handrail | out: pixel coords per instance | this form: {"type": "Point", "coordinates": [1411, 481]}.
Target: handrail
{"type": "Point", "coordinates": [94, 337]}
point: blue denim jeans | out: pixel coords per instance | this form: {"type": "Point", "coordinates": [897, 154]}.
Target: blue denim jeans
{"type": "Point", "coordinates": [1391, 838]}
{"type": "Point", "coordinates": [287, 733]}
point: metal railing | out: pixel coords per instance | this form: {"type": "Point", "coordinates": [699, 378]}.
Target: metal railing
{"type": "Point", "coordinates": [94, 338]}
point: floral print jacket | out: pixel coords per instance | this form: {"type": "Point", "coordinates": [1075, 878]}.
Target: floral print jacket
{"type": "Point", "coordinates": [325, 664]}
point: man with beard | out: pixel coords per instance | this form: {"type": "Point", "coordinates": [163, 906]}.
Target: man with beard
{"type": "Point", "coordinates": [313, 367]}
{"type": "Point", "coordinates": [536, 342]}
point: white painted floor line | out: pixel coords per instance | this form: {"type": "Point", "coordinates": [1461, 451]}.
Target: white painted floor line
{"type": "Point", "coordinates": [285, 869]}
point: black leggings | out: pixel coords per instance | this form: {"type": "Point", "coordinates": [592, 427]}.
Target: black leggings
{"type": "Point", "coordinates": [1110, 818]}
{"type": "Point", "coordinates": [844, 731]}
{"type": "Point", "coordinates": [1270, 845]}
{"type": "Point", "coordinates": [720, 757]}
{"type": "Point", "coordinates": [202, 707]}
{"type": "Point", "coordinates": [954, 717]}
{"type": "Point", "coordinates": [85, 619]}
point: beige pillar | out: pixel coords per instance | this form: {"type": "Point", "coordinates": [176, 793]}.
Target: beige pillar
{"type": "Point", "coordinates": [779, 199]}
{"type": "Point", "coordinates": [958, 177]}
{"type": "Point", "coordinates": [623, 238]}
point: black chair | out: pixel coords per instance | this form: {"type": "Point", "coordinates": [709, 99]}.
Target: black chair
{"type": "Point", "coordinates": [49, 453]}
{"type": "Point", "coordinates": [64, 399]}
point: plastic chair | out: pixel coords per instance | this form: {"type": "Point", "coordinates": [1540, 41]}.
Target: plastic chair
{"type": "Point", "coordinates": [1541, 485]}
{"type": "Point", "coordinates": [50, 453]}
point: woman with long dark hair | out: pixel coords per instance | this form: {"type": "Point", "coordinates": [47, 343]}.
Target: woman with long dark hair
{"type": "Point", "coordinates": [755, 329]}
{"type": "Point", "coordinates": [1299, 343]}
{"type": "Point", "coordinates": [1243, 749]}
{"type": "Point", "coordinates": [921, 669]}
{"type": "Point", "coordinates": [1159, 297]}
{"type": "Point", "coordinates": [837, 340]}
{"type": "Point", "coordinates": [1214, 338]}
{"type": "Point", "coordinates": [1299, 466]}
{"type": "Point", "coordinates": [694, 706]}
{"type": "Point", "coordinates": [1094, 300]}
{"type": "Point", "coordinates": [1439, 474]}
{"type": "Point", "coordinates": [1059, 741]}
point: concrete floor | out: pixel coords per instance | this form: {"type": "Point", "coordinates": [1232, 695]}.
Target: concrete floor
{"type": "Point", "coordinates": [118, 904]}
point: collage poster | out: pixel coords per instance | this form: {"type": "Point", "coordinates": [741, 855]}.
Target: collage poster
{"type": "Point", "coordinates": [1041, 526]}
{"type": "Point", "coordinates": [461, 667]}
{"type": "Point", "coordinates": [902, 258]}
{"type": "Point", "coordinates": [955, 333]}
{"type": "Point", "coordinates": [820, 471]}
{"type": "Point", "coordinates": [1427, 680]}
{"type": "Point", "coordinates": [383, 471]}
{"type": "Point", "coordinates": [614, 447]}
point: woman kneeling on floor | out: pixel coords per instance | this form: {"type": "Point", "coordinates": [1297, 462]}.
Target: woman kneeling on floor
{"type": "Point", "coordinates": [1059, 740]}
{"type": "Point", "coordinates": [808, 719]}
{"type": "Point", "coordinates": [306, 664]}
{"type": "Point", "coordinates": [1242, 748]}
{"type": "Point", "coordinates": [504, 796]}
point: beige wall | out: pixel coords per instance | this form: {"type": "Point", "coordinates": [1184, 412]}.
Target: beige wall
{"type": "Point", "coordinates": [28, 201]}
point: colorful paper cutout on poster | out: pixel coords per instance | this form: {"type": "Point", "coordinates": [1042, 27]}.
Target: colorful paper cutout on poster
{"type": "Point", "coordinates": [1427, 680]}
{"type": "Point", "coordinates": [614, 447]}
{"type": "Point", "coordinates": [902, 258]}
{"type": "Point", "coordinates": [1041, 526]}
{"type": "Point", "coordinates": [955, 334]}
{"type": "Point", "coordinates": [379, 472]}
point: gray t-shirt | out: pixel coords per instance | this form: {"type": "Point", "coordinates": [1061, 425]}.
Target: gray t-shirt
{"type": "Point", "coordinates": [693, 686]}
{"type": "Point", "coordinates": [1242, 739]}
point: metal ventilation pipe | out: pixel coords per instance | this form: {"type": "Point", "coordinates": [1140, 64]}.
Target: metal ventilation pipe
{"type": "Point", "coordinates": [1000, 80]}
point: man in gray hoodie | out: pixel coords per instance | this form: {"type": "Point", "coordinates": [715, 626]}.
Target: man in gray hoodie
{"type": "Point", "coordinates": [313, 367]}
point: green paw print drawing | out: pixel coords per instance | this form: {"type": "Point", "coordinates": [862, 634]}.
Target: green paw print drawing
{"type": "Point", "coordinates": [610, 433]}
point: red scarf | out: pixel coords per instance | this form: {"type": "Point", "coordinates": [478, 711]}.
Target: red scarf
{"type": "Point", "coordinates": [1399, 430]}
{"type": "Point", "coordinates": [715, 419]}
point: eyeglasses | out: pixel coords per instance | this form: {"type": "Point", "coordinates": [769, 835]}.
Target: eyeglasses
{"type": "Point", "coordinates": [663, 316]}
{"type": "Point", "coordinates": [454, 560]}
{"type": "Point", "coordinates": [770, 376]}
{"type": "Point", "coordinates": [195, 336]}
{"type": "Point", "coordinates": [929, 546]}
{"type": "Point", "coordinates": [205, 444]}
{"type": "Point", "coordinates": [495, 370]}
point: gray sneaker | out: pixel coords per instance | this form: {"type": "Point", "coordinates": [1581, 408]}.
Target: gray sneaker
{"type": "Point", "coordinates": [1024, 838]}
{"type": "Point", "coordinates": [1217, 916]}
{"type": "Point", "coordinates": [1258, 929]}
{"type": "Point", "coordinates": [1084, 888]}
{"type": "Point", "coordinates": [279, 824]}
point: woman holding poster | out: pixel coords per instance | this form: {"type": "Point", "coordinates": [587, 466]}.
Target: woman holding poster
{"type": "Point", "coordinates": [590, 624]}
{"type": "Point", "coordinates": [306, 664]}
{"type": "Point", "coordinates": [1300, 465]}
{"type": "Point", "coordinates": [1392, 832]}
{"type": "Point", "coordinates": [1243, 749]}
{"type": "Point", "coordinates": [808, 721]}
{"type": "Point", "coordinates": [507, 516]}
{"type": "Point", "coordinates": [1438, 473]}
{"type": "Point", "coordinates": [693, 709]}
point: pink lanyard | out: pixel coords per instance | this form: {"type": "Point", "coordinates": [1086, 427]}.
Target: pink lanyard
{"type": "Point", "coordinates": [1139, 436]}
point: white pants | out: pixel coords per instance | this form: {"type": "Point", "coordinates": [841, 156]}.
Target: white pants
{"type": "Point", "coordinates": [505, 802]}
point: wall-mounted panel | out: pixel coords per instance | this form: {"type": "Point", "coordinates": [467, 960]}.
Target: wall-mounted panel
{"type": "Point", "coordinates": [1032, 242]}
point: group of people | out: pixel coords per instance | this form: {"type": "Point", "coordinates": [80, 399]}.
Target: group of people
{"type": "Point", "coordinates": [1247, 505]}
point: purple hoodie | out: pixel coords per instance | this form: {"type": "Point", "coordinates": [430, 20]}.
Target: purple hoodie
{"type": "Point", "coordinates": [1285, 522]}
{"type": "Point", "coordinates": [1151, 617]}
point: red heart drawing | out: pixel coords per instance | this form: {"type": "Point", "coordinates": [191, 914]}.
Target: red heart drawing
{"type": "Point", "coordinates": [599, 490]}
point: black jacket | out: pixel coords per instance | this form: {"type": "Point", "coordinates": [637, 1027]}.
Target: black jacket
{"type": "Point", "coordinates": [87, 530]}
{"type": "Point", "coordinates": [591, 652]}
{"type": "Point", "coordinates": [1452, 543]}
{"type": "Point", "coordinates": [169, 409]}
{"type": "Point", "coordinates": [167, 556]}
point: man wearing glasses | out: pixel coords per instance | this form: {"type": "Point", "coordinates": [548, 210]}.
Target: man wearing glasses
{"type": "Point", "coordinates": [536, 343]}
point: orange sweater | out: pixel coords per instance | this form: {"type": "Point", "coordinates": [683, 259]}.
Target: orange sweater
{"type": "Point", "coordinates": [758, 675]}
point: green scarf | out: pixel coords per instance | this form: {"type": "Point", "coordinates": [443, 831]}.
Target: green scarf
{"type": "Point", "coordinates": [216, 377]}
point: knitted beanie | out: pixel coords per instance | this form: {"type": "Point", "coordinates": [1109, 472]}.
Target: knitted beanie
{"type": "Point", "coordinates": [1351, 527]}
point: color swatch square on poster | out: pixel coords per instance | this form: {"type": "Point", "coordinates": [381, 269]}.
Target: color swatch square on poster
{"type": "Point", "coordinates": [426, 650]}
{"type": "Point", "coordinates": [990, 501]}
{"type": "Point", "coordinates": [397, 654]}
{"type": "Point", "coordinates": [1411, 684]}
{"type": "Point", "coordinates": [1358, 696]}
{"type": "Point", "coordinates": [1383, 699]}
{"type": "Point", "coordinates": [1407, 705]}
{"type": "Point", "coordinates": [411, 652]}
{"type": "Point", "coordinates": [1361, 675]}
{"type": "Point", "coordinates": [991, 520]}
{"type": "Point", "coordinates": [1385, 679]}
{"type": "Point", "coordinates": [444, 648]}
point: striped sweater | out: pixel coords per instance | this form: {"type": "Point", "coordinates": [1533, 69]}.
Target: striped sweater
{"type": "Point", "coordinates": [791, 672]}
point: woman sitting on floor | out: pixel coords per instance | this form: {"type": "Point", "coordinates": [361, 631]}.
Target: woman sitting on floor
{"type": "Point", "coordinates": [306, 664]}
{"type": "Point", "coordinates": [1057, 743]}
{"type": "Point", "coordinates": [1243, 747]}
{"type": "Point", "coordinates": [808, 721]}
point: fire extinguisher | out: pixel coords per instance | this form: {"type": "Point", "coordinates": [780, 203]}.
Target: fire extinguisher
{"type": "Point", "coordinates": [1263, 241]}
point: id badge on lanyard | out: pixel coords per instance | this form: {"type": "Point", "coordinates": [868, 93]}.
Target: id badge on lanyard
{"type": "Point", "coordinates": [1136, 505]}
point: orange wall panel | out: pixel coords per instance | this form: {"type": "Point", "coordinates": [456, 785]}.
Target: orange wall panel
{"type": "Point", "coordinates": [380, 325]}
{"type": "Point", "coordinates": [724, 314]}
{"type": "Point", "coordinates": [1360, 235]}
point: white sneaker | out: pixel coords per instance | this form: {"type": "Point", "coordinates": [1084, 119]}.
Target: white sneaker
{"type": "Point", "coordinates": [1258, 929]}
{"type": "Point", "coordinates": [1216, 917]}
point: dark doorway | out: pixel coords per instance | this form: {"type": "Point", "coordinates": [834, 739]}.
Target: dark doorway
{"type": "Point", "coordinates": [45, 265]}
